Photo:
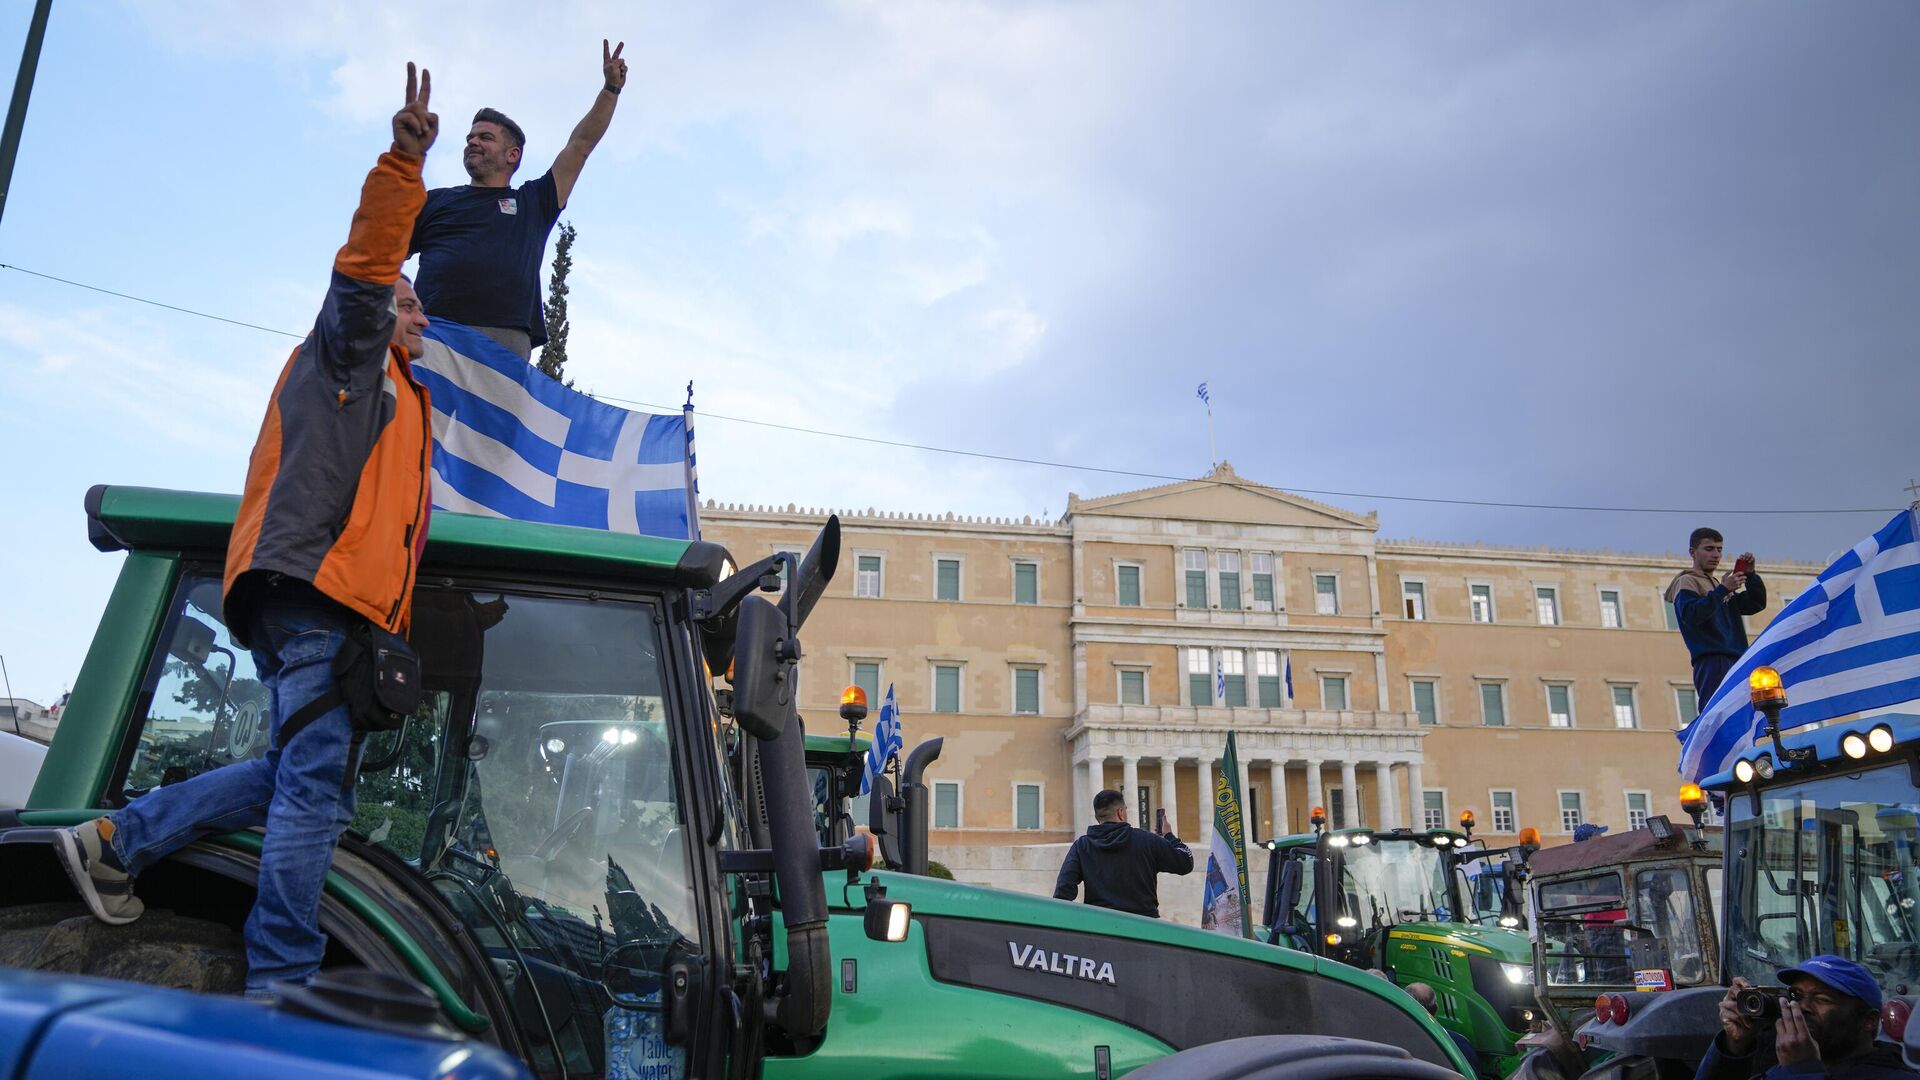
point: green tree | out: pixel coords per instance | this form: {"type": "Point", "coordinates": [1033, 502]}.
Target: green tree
{"type": "Point", "coordinates": [553, 356]}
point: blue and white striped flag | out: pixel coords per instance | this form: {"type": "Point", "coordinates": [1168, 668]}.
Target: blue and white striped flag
{"type": "Point", "coordinates": [1219, 680]}
{"type": "Point", "coordinates": [510, 442]}
{"type": "Point", "coordinates": [1850, 642]}
{"type": "Point", "coordinates": [887, 741]}
{"type": "Point", "coordinates": [1203, 395]}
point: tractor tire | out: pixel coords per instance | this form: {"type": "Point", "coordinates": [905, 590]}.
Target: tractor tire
{"type": "Point", "coordinates": [158, 949]}
{"type": "Point", "coordinates": [1292, 1057]}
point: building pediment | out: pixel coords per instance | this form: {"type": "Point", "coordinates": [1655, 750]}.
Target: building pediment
{"type": "Point", "coordinates": [1223, 495]}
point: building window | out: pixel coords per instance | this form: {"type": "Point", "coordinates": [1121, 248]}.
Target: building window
{"type": "Point", "coordinates": [1624, 714]}
{"type": "Point", "coordinates": [1413, 598]}
{"type": "Point", "coordinates": [1233, 665]}
{"type": "Point", "coordinates": [946, 688]}
{"type": "Point", "coordinates": [783, 567]}
{"type": "Point", "coordinates": [1196, 563]}
{"type": "Point", "coordinates": [1333, 692]}
{"type": "Point", "coordinates": [1337, 810]}
{"type": "Point", "coordinates": [1611, 615]}
{"type": "Point", "coordinates": [866, 676]}
{"type": "Point", "coordinates": [1686, 704]}
{"type": "Point", "coordinates": [1426, 703]}
{"type": "Point", "coordinates": [1573, 813]}
{"type": "Point", "coordinates": [1229, 580]}
{"type": "Point", "coordinates": [1493, 704]}
{"type": "Point", "coordinates": [1546, 604]}
{"type": "Point", "coordinates": [1133, 687]}
{"type": "Point", "coordinates": [1637, 811]}
{"type": "Point", "coordinates": [1127, 585]}
{"type": "Point", "coordinates": [1266, 670]}
{"type": "Point", "coordinates": [946, 579]}
{"type": "Point", "coordinates": [1559, 705]}
{"type": "Point", "coordinates": [1199, 677]}
{"type": "Point", "coordinates": [1480, 602]}
{"type": "Point", "coordinates": [1326, 594]}
{"type": "Point", "coordinates": [1673, 617]}
{"type": "Point", "coordinates": [1503, 811]}
{"type": "Point", "coordinates": [946, 804]}
{"type": "Point", "coordinates": [866, 575]}
{"type": "Point", "coordinates": [1026, 806]}
{"type": "Point", "coordinates": [1263, 581]}
{"type": "Point", "coordinates": [1026, 690]}
{"type": "Point", "coordinates": [1433, 810]}
{"type": "Point", "coordinates": [1026, 583]}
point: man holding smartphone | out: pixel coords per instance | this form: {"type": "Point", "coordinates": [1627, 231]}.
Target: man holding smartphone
{"type": "Point", "coordinates": [1121, 865]}
{"type": "Point", "coordinates": [1710, 614]}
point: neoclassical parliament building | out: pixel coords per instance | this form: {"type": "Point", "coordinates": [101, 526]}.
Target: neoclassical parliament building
{"type": "Point", "coordinates": [1393, 682]}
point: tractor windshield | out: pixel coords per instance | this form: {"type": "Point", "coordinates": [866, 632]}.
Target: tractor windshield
{"type": "Point", "coordinates": [1383, 882]}
{"type": "Point", "coordinates": [1825, 866]}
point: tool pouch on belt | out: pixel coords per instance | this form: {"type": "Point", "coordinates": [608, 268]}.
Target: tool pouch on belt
{"type": "Point", "coordinates": [376, 675]}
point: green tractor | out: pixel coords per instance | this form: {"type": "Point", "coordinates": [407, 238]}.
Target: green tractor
{"type": "Point", "coordinates": [1406, 903]}
{"type": "Point", "coordinates": [588, 853]}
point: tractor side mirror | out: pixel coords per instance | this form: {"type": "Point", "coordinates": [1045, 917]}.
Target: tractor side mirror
{"type": "Point", "coordinates": [632, 978]}
{"type": "Point", "coordinates": [764, 653]}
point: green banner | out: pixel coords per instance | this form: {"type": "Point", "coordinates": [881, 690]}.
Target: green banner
{"type": "Point", "coordinates": [1224, 907]}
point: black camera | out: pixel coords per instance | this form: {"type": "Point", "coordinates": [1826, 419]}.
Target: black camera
{"type": "Point", "coordinates": [1759, 1004]}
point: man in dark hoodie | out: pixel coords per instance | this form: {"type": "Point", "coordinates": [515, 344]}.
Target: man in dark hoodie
{"type": "Point", "coordinates": [1828, 1025]}
{"type": "Point", "coordinates": [1709, 614]}
{"type": "Point", "coordinates": [1120, 863]}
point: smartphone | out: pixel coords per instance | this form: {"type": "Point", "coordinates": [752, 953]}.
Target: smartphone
{"type": "Point", "coordinates": [1160, 821]}
{"type": "Point", "coordinates": [1743, 564]}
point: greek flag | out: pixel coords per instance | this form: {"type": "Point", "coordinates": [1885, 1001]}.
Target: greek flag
{"type": "Point", "coordinates": [1286, 660]}
{"type": "Point", "coordinates": [510, 442]}
{"type": "Point", "coordinates": [887, 741]}
{"type": "Point", "coordinates": [1203, 396]}
{"type": "Point", "coordinates": [1850, 642]}
{"type": "Point", "coordinates": [1219, 680]}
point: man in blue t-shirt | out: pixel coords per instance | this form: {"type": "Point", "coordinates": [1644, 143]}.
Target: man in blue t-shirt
{"type": "Point", "coordinates": [481, 244]}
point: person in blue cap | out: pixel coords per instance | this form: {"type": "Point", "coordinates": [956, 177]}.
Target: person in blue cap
{"type": "Point", "coordinates": [1829, 1023]}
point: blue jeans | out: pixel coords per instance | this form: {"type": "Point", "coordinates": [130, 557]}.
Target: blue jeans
{"type": "Point", "coordinates": [302, 792]}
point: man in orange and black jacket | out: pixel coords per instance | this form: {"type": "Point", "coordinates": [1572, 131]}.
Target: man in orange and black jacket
{"type": "Point", "coordinates": [326, 544]}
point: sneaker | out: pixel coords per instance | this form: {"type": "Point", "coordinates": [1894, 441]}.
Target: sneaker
{"type": "Point", "coordinates": [96, 871]}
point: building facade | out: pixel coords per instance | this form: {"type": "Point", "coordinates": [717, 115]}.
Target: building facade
{"type": "Point", "coordinates": [1391, 682]}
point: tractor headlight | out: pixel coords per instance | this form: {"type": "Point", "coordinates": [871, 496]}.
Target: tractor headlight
{"type": "Point", "coordinates": [1881, 739]}
{"type": "Point", "coordinates": [1509, 921]}
{"type": "Point", "coordinates": [1743, 771]}
{"type": "Point", "coordinates": [1763, 766]}
{"type": "Point", "coordinates": [1517, 974]}
{"type": "Point", "coordinates": [1854, 746]}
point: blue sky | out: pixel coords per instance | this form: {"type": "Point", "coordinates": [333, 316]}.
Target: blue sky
{"type": "Point", "coordinates": [1629, 254]}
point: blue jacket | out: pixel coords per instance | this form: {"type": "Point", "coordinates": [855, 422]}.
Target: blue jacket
{"type": "Point", "coordinates": [1710, 621]}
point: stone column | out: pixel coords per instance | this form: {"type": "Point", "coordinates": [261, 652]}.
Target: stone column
{"type": "Point", "coordinates": [1277, 802]}
{"type": "Point", "coordinates": [1082, 798]}
{"type": "Point", "coordinates": [1167, 791]}
{"type": "Point", "coordinates": [1383, 785]}
{"type": "Point", "coordinates": [1315, 797]}
{"type": "Point", "coordinates": [1246, 820]}
{"type": "Point", "coordinates": [1096, 780]}
{"type": "Point", "coordinates": [1349, 796]}
{"type": "Point", "coordinates": [1416, 797]}
{"type": "Point", "coordinates": [1130, 785]}
{"type": "Point", "coordinates": [1203, 806]}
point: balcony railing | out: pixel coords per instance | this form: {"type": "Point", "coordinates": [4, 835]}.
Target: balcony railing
{"type": "Point", "coordinates": [1188, 716]}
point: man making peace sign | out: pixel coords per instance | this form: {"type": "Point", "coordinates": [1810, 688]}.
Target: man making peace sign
{"type": "Point", "coordinates": [481, 244]}
{"type": "Point", "coordinates": [325, 547]}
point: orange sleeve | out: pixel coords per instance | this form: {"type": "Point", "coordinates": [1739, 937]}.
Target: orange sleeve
{"type": "Point", "coordinates": [383, 224]}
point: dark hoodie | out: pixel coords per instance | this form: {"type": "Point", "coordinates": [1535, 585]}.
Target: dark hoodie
{"type": "Point", "coordinates": [1118, 863]}
{"type": "Point", "coordinates": [1883, 1062]}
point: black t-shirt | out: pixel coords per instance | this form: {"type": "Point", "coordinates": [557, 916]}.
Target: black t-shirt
{"type": "Point", "coordinates": [480, 251]}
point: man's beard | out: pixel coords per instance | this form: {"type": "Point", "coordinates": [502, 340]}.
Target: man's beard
{"type": "Point", "coordinates": [475, 165]}
{"type": "Point", "coordinates": [1835, 1041]}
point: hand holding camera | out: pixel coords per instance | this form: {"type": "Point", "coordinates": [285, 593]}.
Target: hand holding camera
{"type": "Point", "coordinates": [1741, 1011]}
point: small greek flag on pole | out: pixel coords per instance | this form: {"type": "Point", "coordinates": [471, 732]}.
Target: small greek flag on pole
{"type": "Point", "coordinates": [509, 442]}
{"type": "Point", "coordinates": [1851, 642]}
{"type": "Point", "coordinates": [1219, 681]}
{"type": "Point", "coordinates": [887, 741]}
{"type": "Point", "coordinates": [1202, 394]}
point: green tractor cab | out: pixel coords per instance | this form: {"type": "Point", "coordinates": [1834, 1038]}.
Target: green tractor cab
{"type": "Point", "coordinates": [595, 858]}
{"type": "Point", "coordinates": [1400, 902]}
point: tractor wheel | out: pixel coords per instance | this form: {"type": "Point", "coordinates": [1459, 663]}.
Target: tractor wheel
{"type": "Point", "coordinates": [1292, 1057]}
{"type": "Point", "coordinates": [158, 949]}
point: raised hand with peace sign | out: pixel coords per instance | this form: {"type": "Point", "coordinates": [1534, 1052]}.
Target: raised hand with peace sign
{"type": "Point", "coordinates": [414, 128]}
{"type": "Point", "coordinates": [614, 68]}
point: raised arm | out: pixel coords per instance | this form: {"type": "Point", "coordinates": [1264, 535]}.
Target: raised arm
{"type": "Point", "coordinates": [588, 132]}
{"type": "Point", "coordinates": [356, 321]}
